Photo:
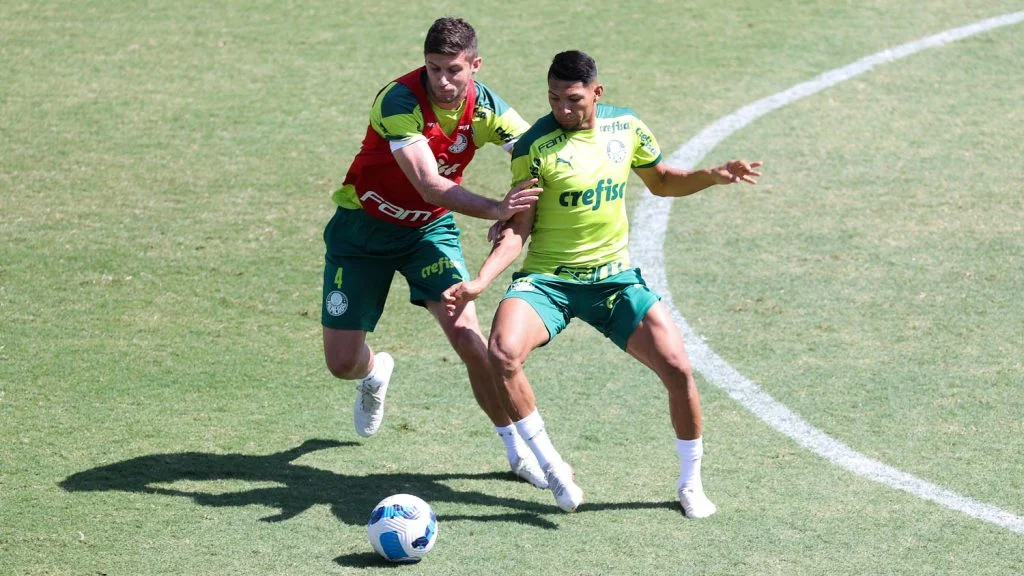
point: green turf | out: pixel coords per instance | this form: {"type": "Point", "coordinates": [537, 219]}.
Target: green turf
{"type": "Point", "coordinates": [879, 292]}
{"type": "Point", "coordinates": [165, 172]}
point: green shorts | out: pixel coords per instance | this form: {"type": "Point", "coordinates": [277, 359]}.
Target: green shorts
{"type": "Point", "coordinates": [615, 305]}
{"type": "Point", "coordinates": [363, 254]}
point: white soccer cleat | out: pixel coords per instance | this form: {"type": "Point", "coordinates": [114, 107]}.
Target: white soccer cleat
{"type": "Point", "coordinates": [368, 413]}
{"type": "Point", "coordinates": [561, 481]}
{"type": "Point", "coordinates": [695, 504]}
{"type": "Point", "coordinates": [527, 468]}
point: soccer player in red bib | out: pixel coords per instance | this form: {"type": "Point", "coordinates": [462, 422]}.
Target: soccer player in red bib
{"type": "Point", "coordinates": [395, 215]}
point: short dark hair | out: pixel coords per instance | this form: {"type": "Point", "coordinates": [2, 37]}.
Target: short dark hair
{"type": "Point", "coordinates": [450, 36]}
{"type": "Point", "coordinates": [573, 66]}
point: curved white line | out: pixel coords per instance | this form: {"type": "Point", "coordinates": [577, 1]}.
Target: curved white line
{"type": "Point", "coordinates": [646, 248]}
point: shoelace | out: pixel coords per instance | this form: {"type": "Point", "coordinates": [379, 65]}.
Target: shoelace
{"type": "Point", "coordinates": [369, 397]}
{"type": "Point", "coordinates": [555, 484]}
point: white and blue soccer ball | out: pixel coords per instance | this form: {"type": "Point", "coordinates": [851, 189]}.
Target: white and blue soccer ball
{"type": "Point", "coordinates": [402, 528]}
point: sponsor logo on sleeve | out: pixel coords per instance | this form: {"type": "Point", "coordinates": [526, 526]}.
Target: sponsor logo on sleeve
{"type": "Point", "coordinates": [504, 134]}
{"type": "Point", "coordinates": [647, 142]}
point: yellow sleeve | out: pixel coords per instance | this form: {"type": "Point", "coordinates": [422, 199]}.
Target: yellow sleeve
{"type": "Point", "coordinates": [396, 114]}
{"type": "Point", "coordinates": [646, 152]}
{"type": "Point", "coordinates": [494, 121]}
{"type": "Point", "coordinates": [523, 168]}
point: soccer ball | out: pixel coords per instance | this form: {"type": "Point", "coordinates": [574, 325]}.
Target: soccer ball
{"type": "Point", "coordinates": [402, 528]}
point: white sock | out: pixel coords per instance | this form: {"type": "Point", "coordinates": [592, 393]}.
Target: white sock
{"type": "Point", "coordinates": [371, 376]}
{"type": "Point", "coordinates": [532, 431]}
{"type": "Point", "coordinates": [514, 445]}
{"type": "Point", "coordinates": [690, 454]}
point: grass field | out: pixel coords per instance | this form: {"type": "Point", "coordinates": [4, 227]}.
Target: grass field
{"type": "Point", "coordinates": [165, 173]}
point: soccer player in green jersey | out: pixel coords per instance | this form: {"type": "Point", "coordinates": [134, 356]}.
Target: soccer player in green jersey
{"type": "Point", "coordinates": [577, 264]}
{"type": "Point", "coordinates": [394, 214]}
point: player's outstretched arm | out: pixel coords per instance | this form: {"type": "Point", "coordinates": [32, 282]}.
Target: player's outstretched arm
{"type": "Point", "coordinates": [662, 180]}
{"type": "Point", "coordinates": [507, 247]}
{"type": "Point", "coordinates": [420, 167]}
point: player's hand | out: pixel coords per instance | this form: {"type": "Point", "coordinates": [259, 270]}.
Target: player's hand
{"type": "Point", "coordinates": [736, 171]}
{"type": "Point", "coordinates": [460, 294]}
{"type": "Point", "coordinates": [521, 197]}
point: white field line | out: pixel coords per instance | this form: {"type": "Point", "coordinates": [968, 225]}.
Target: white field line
{"type": "Point", "coordinates": [646, 247]}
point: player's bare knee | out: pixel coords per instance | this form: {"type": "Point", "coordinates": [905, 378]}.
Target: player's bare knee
{"type": "Point", "coordinates": [677, 375]}
{"type": "Point", "coordinates": [677, 367]}
{"type": "Point", "coordinates": [503, 358]}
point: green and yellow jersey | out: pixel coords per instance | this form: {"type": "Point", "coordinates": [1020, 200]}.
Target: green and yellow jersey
{"type": "Point", "coordinates": [581, 230]}
{"type": "Point", "coordinates": [396, 116]}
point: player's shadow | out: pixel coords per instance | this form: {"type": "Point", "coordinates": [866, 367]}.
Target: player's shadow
{"type": "Point", "coordinates": [294, 488]}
